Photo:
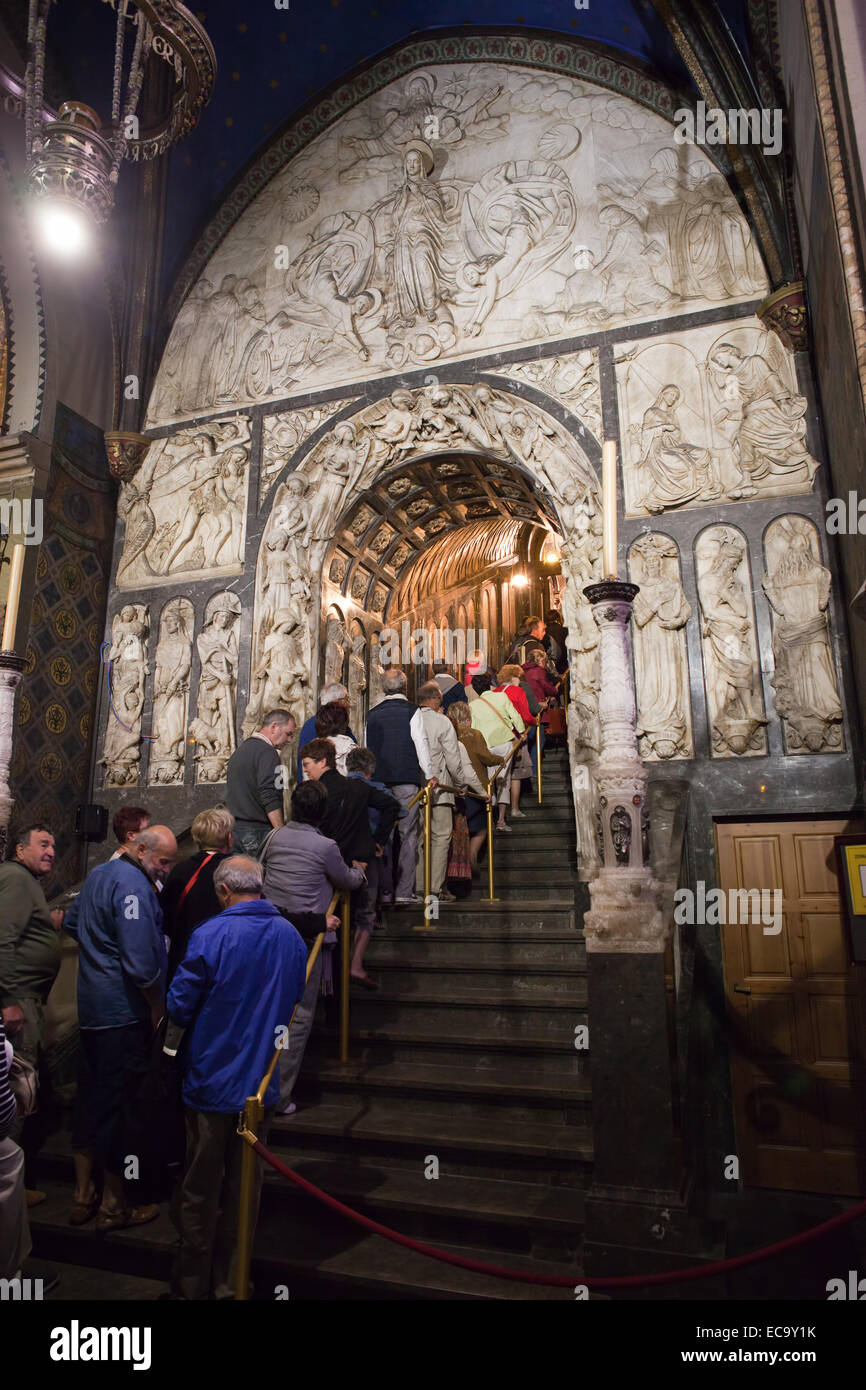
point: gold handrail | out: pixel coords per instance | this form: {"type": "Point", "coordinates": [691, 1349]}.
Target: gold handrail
{"type": "Point", "coordinates": [515, 744]}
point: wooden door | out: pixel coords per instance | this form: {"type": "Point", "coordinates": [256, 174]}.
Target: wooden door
{"type": "Point", "coordinates": [797, 1038]}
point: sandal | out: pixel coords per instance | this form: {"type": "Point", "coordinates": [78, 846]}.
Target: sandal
{"type": "Point", "coordinates": [131, 1216]}
{"type": "Point", "coordinates": [82, 1212]}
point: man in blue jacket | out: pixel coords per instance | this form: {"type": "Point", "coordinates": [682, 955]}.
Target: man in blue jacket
{"type": "Point", "coordinates": [234, 993]}
{"type": "Point", "coordinates": [117, 921]}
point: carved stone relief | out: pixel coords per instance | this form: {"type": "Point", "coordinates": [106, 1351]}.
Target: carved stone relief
{"type": "Point", "coordinates": [213, 729]}
{"type": "Point", "coordinates": [283, 435]}
{"type": "Point", "coordinates": [711, 416]}
{"type": "Point", "coordinates": [171, 692]}
{"type": "Point", "coordinates": [572, 379]}
{"type": "Point", "coordinates": [357, 684]}
{"type": "Point", "coordinates": [797, 586]}
{"type": "Point", "coordinates": [731, 664]}
{"type": "Point", "coordinates": [127, 654]}
{"type": "Point", "coordinates": [494, 207]}
{"type": "Point", "coordinates": [335, 650]}
{"type": "Point", "coordinates": [659, 615]}
{"type": "Point", "coordinates": [185, 510]}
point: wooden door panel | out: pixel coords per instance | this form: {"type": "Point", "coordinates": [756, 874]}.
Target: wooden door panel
{"type": "Point", "coordinates": [798, 1056]}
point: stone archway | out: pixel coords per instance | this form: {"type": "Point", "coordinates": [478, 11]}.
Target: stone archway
{"type": "Point", "coordinates": [409, 424]}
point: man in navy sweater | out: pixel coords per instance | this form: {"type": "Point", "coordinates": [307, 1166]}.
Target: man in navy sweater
{"type": "Point", "coordinates": [237, 987]}
{"type": "Point", "coordinates": [396, 737]}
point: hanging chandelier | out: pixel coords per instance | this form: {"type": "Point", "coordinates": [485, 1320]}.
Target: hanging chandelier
{"type": "Point", "coordinates": [73, 161]}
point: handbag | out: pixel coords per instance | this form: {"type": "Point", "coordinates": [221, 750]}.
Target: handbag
{"type": "Point", "coordinates": [24, 1084]}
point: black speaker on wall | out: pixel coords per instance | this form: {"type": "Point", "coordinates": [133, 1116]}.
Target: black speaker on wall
{"type": "Point", "coordinates": [91, 822]}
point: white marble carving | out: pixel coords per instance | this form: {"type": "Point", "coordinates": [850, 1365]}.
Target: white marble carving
{"type": "Point", "coordinates": [357, 684]}
{"type": "Point", "coordinates": [127, 654]}
{"type": "Point", "coordinates": [172, 665]}
{"type": "Point", "coordinates": [660, 612]}
{"type": "Point", "coordinates": [185, 510]}
{"type": "Point", "coordinates": [335, 650]}
{"type": "Point", "coordinates": [572, 379]}
{"type": "Point", "coordinates": [730, 648]}
{"type": "Point", "coordinates": [797, 586]}
{"type": "Point", "coordinates": [283, 435]}
{"type": "Point", "coordinates": [213, 729]}
{"type": "Point", "coordinates": [711, 417]}
{"type": "Point", "coordinates": [463, 209]}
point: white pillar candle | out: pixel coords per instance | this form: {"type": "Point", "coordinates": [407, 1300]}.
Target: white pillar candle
{"type": "Point", "coordinates": [608, 507]}
{"type": "Point", "coordinates": [16, 569]}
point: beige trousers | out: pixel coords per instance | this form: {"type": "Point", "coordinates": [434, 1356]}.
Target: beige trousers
{"type": "Point", "coordinates": [440, 841]}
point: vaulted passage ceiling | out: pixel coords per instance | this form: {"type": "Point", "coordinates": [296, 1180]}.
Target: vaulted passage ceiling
{"type": "Point", "coordinates": [446, 515]}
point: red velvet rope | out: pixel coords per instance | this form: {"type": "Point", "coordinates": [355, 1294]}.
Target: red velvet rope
{"type": "Point", "coordinates": [561, 1281]}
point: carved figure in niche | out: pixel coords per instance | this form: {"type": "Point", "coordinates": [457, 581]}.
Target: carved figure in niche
{"type": "Point", "coordinates": [678, 472]}
{"type": "Point", "coordinates": [798, 590]}
{"type": "Point", "coordinates": [128, 657]}
{"type": "Point", "coordinates": [335, 648]}
{"type": "Point", "coordinates": [170, 692]}
{"type": "Point", "coordinates": [771, 431]}
{"type": "Point", "coordinates": [625, 268]}
{"type": "Point", "coordinates": [659, 615]}
{"type": "Point", "coordinates": [357, 684]}
{"type": "Point", "coordinates": [620, 833]}
{"type": "Point", "coordinates": [515, 222]}
{"type": "Point", "coordinates": [732, 675]}
{"type": "Point", "coordinates": [570, 300]}
{"type": "Point", "coordinates": [377, 672]}
{"type": "Point", "coordinates": [338, 469]}
{"type": "Point", "coordinates": [328, 280]}
{"type": "Point", "coordinates": [420, 111]}
{"type": "Point", "coordinates": [214, 726]}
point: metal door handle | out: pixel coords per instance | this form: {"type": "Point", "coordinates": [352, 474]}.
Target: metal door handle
{"type": "Point", "coordinates": [742, 989]}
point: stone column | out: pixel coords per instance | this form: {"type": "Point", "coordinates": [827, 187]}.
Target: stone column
{"type": "Point", "coordinates": [637, 1217]}
{"type": "Point", "coordinates": [11, 667]}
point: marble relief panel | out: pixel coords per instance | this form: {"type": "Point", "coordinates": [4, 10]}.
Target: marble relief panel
{"type": "Point", "coordinates": [213, 728]}
{"type": "Point", "coordinates": [184, 511]}
{"type": "Point", "coordinates": [283, 435]}
{"type": "Point", "coordinates": [462, 209]}
{"type": "Point", "coordinates": [797, 587]}
{"type": "Point", "coordinates": [172, 663]}
{"type": "Point", "coordinates": [731, 666]}
{"type": "Point", "coordinates": [711, 415]}
{"type": "Point", "coordinates": [659, 616]}
{"type": "Point", "coordinates": [572, 379]}
{"type": "Point", "coordinates": [128, 670]}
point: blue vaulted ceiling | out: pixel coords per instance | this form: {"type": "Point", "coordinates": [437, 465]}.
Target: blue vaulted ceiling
{"type": "Point", "coordinates": [274, 60]}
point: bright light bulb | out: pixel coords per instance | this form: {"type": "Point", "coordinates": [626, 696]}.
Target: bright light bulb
{"type": "Point", "coordinates": [63, 227]}
{"type": "Point", "coordinates": [519, 581]}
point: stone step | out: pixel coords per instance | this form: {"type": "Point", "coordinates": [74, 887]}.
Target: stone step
{"type": "Point", "coordinates": [534, 853]}
{"type": "Point", "coordinates": [454, 980]}
{"type": "Point", "coordinates": [429, 1098]}
{"type": "Point", "coordinates": [476, 1052]}
{"type": "Point", "coordinates": [484, 1146]}
{"type": "Point", "coordinates": [505, 1077]}
{"type": "Point", "coordinates": [428, 1015]}
{"type": "Point", "coordinates": [530, 876]}
{"type": "Point", "coordinates": [311, 1257]}
{"type": "Point", "coordinates": [533, 915]}
{"type": "Point", "coordinates": [476, 952]}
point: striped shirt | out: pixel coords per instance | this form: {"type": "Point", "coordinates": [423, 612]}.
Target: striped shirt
{"type": "Point", "coordinates": [8, 1108]}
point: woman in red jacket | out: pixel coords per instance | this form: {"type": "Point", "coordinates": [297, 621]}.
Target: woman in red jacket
{"type": "Point", "coordinates": [509, 679]}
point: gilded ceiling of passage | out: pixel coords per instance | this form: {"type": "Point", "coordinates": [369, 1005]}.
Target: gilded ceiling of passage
{"type": "Point", "coordinates": [458, 498]}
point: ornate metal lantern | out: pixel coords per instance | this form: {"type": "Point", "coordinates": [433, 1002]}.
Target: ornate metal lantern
{"type": "Point", "coordinates": [72, 160]}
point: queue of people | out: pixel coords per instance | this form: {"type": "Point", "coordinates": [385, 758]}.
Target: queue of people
{"type": "Point", "coordinates": [205, 960]}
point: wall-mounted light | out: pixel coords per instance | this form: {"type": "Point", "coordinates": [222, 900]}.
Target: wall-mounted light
{"type": "Point", "coordinates": [550, 550]}
{"type": "Point", "coordinates": [519, 581]}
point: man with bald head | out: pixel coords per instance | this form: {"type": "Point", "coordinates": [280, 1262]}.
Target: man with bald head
{"type": "Point", "coordinates": [117, 921]}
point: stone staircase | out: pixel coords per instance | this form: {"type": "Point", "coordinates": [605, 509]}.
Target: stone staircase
{"type": "Point", "coordinates": [463, 1063]}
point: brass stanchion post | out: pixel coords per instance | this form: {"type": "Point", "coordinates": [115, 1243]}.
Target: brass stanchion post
{"type": "Point", "coordinates": [538, 754]}
{"type": "Point", "coordinates": [253, 1113]}
{"type": "Point", "coordinates": [345, 960]}
{"type": "Point", "coordinates": [490, 897]}
{"type": "Point", "coordinates": [427, 925]}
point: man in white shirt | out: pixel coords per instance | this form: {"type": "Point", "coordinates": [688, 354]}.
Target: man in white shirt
{"type": "Point", "coordinates": [447, 768]}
